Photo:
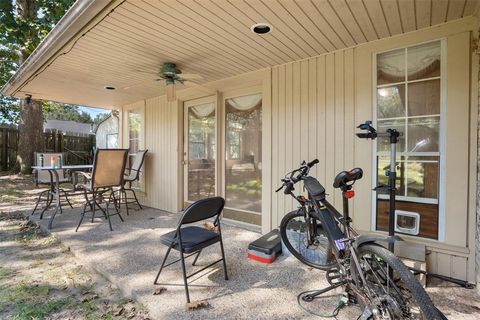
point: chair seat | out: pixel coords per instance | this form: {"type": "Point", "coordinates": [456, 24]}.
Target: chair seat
{"type": "Point", "coordinates": [193, 238]}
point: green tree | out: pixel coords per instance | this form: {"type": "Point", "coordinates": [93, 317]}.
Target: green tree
{"type": "Point", "coordinates": [23, 24]}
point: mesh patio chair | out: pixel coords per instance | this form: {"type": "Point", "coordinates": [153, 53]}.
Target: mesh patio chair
{"type": "Point", "coordinates": [192, 240]}
{"type": "Point", "coordinates": [107, 173]}
{"type": "Point", "coordinates": [133, 175]}
{"type": "Point", "coordinates": [42, 177]}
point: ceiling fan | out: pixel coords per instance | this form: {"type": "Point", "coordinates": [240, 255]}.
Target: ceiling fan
{"type": "Point", "coordinates": [171, 75]}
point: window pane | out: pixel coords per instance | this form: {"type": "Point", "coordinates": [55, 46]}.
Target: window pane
{"type": "Point", "coordinates": [391, 67]}
{"type": "Point", "coordinates": [383, 144]}
{"type": "Point", "coordinates": [134, 123]}
{"type": "Point", "coordinates": [383, 165]}
{"type": "Point", "coordinates": [423, 61]}
{"type": "Point", "coordinates": [391, 101]}
{"type": "Point", "coordinates": [424, 98]}
{"type": "Point", "coordinates": [423, 134]}
{"type": "Point", "coordinates": [201, 151]}
{"type": "Point", "coordinates": [243, 166]}
{"type": "Point", "coordinates": [133, 146]}
{"type": "Point", "coordinates": [422, 177]}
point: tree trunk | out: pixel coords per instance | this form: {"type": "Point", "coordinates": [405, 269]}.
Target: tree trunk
{"type": "Point", "coordinates": [30, 128]}
{"type": "Point", "coordinates": [30, 134]}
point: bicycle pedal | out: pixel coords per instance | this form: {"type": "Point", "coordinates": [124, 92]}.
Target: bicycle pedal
{"type": "Point", "coordinates": [333, 276]}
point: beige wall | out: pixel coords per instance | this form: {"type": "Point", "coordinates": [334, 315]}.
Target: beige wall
{"type": "Point", "coordinates": [311, 108]}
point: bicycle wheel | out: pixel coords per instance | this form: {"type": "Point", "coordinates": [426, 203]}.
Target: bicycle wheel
{"type": "Point", "coordinates": [393, 291]}
{"type": "Point", "coordinates": [308, 244]}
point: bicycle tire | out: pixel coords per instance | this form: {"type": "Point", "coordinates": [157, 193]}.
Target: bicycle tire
{"type": "Point", "coordinates": [319, 257]}
{"type": "Point", "coordinates": [411, 284]}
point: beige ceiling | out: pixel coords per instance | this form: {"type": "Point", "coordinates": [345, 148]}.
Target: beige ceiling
{"type": "Point", "coordinates": [212, 38]}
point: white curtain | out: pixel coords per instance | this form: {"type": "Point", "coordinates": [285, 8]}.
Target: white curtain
{"type": "Point", "coordinates": [245, 102]}
{"type": "Point", "coordinates": [203, 110]}
{"type": "Point", "coordinates": [391, 65]}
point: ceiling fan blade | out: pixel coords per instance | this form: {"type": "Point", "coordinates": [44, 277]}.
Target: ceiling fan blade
{"type": "Point", "coordinates": [171, 92]}
{"type": "Point", "coordinates": [190, 76]}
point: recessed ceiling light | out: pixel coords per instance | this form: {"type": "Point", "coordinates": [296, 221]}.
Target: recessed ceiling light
{"type": "Point", "coordinates": [261, 28]}
{"type": "Point", "coordinates": [110, 88]}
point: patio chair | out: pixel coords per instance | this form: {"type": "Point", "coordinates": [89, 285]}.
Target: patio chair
{"type": "Point", "coordinates": [133, 175]}
{"type": "Point", "coordinates": [192, 240]}
{"type": "Point", "coordinates": [107, 173]}
{"type": "Point", "coordinates": [44, 178]}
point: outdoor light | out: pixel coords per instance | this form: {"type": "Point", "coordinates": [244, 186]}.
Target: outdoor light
{"type": "Point", "coordinates": [261, 28]}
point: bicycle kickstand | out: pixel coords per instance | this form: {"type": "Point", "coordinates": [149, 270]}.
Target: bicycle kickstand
{"type": "Point", "coordinates": [309, 297]}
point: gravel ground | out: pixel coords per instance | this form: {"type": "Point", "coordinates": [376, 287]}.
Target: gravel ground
{"type": "Point", "coordinates": [130, 256]}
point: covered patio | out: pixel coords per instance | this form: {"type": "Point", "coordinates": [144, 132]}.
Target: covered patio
{"type": "Point", "coordinates": [130, 255]}
{"type": "Point", "coordinates": [269, 84]}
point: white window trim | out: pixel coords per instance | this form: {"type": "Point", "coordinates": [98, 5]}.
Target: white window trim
{"type": "Point", "coordinates": [126, 138]}
{"type": "Point", "coordinates": [442, 138]}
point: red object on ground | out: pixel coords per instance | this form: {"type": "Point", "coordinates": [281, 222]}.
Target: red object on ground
{"type": "Point", "coordinates": [261, 259]}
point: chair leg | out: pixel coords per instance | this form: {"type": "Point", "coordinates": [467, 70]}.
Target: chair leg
{"type": "Point", "coordinates": [163, 263]}
{"type": "Point", "coordinates": [136, 199]}
{"type": "Point", "coordinates": [49, 202]}
{"type": "Point", "coordinates": [115, 201]}
{"type": "Point", "coordinates": [108, 216]}
{"type": "Point", "coordinates": [66, 198]}
{"type": "Point", "coordinates": [83, 215]}
{"type": "Point", "coordinates": [93, 208]}
{"type": "Point", "coordinates": [196, 258]}
{"type": "Point", "coordinates": [223, 258]}
{"type": "Point", "coordinates": [184, 270]}
{"type": "Point", "coordinates": [38, 201]}
{"type": "Point", "coordinates": [125, 199]}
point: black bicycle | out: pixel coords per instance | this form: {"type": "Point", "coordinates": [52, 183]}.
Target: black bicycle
{"type": "Point", "coordinates": [319, 236]}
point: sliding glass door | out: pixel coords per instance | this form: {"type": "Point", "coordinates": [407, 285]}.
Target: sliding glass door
{"type": "Point", "coordinates": [231, 167]}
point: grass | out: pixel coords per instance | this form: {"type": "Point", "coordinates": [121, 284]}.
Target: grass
{"type": "Point", "coordinates": [31, 301]}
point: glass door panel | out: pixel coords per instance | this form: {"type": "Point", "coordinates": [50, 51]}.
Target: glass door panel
{"type": "Point", "coordinates": [243, 148]}
{"type": "Point", "coordinates": [200, 151]}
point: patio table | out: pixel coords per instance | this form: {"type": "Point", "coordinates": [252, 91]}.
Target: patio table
{"type": "Point", "coordinates": [55, 184]}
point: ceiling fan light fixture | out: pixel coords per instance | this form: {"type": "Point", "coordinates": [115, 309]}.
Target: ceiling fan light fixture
{"type": "Point", "coordinates": [261, 28]}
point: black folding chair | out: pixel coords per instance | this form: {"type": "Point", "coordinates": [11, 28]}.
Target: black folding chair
{"type": "Point", "coordinates": [192, 240]}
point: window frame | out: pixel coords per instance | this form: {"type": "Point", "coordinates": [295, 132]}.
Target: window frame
{"type": "Point", "coordinates": [247, 91]}
{"type": "Point", "coordinates": [138, 108]}
{"type": "Point", "coordinates": [441, 139]}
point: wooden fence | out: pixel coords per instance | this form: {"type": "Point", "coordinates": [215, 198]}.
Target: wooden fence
{"type": "Point", "coordinates": [76, 149]}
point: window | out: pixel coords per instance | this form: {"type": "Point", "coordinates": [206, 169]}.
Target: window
{"type": "Point", "coordinates": [134, 137]}
{"type": "Point", "coordinates": [408, 99]}
{"type": "Point", "coordinates": [243, 161]}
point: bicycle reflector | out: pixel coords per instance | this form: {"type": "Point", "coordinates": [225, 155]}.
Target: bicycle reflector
{"type": "Point", "coordinates": [349, 194]}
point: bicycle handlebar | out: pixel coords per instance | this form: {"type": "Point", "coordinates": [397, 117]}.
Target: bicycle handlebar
{"type": "Point", "coordinates": [290, 178]}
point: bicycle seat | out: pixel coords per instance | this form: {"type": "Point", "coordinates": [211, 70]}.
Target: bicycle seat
{"type": "Point", "coordinates": [314, 188]}
{"type": "Point", "coordinates": [347, 176]}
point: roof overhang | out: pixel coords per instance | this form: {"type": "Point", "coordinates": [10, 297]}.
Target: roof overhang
{"type": "Point", "coordinates": [102, 43]}
{"type": "Point", "coordinates": [71, 25]}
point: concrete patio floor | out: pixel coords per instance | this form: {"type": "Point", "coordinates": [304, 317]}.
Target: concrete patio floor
{"type": "Point", "coordinates": [130, 256]}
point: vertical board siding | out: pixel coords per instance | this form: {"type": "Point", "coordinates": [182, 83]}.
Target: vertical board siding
{"type": "Point", "coordinates": [312, 117]}
{"type": "Point", "coordinates": [161, 139]}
